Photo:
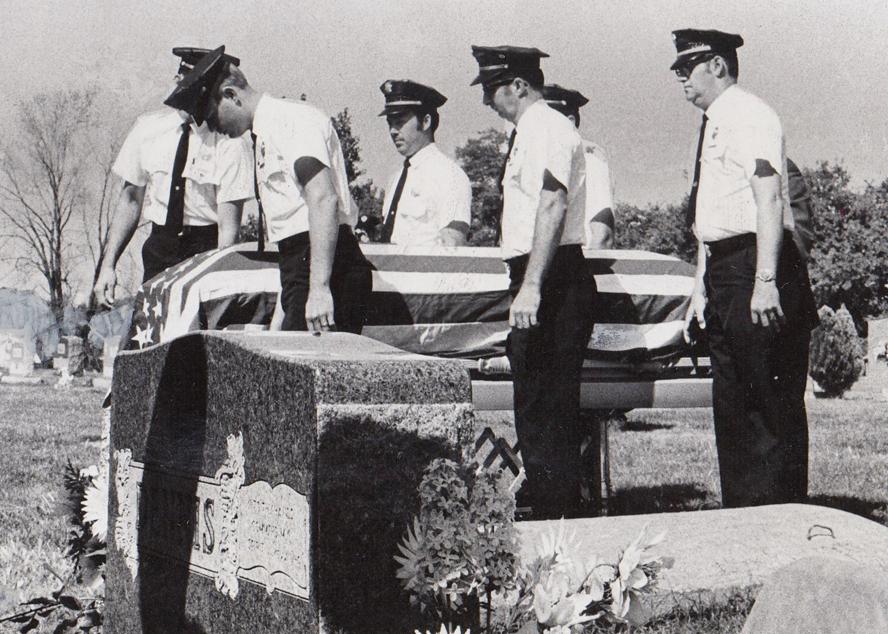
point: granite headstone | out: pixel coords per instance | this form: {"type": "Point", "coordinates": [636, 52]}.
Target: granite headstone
{"type": "Point", "coordinates": [76, 356]}
{"type": "Point", "coordinates": [260, 482]}
{"type": "Point", "coordinates": [17, 351]}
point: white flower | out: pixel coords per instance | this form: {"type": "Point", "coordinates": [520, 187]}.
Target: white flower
{"type": "Point", "coordinates": [95, 507]}
{"type": "Point", "coordinates": [632, 580]}
{"type": "Point", "coordinates": [408, 571]}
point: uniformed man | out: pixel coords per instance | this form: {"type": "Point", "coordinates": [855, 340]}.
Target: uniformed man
{"type": "Point", "coordinates": [188, 181]}
{"type": "Point", "coordinates": [429, 200]}
{"type": "Point", "coordinates": [752, 292]}
{"type": "Point", "coordinates": [599, 223]}
{"type": "Point", "coordinates": [544, 199]}
{"type": "Point", "coordinates": [325, 279]}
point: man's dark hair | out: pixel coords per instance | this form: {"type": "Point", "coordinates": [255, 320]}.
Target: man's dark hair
{"type": "Point", "coordinates": [534, 77]}
{"type": "Point", "coordinates": [433, 114]}
{"type": "Point", "coordinates": [732, 63]}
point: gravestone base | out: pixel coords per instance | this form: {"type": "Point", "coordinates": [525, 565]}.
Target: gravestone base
{"type": "Point", "coordinates": [261, 482]}
{"type": "Point", "coordinates": [718, 552]}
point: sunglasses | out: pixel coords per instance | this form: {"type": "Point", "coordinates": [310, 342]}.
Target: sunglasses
{"type": "Point", "coordinates": [684, 71]}
{"type": "Point", "coordinates": [490, 89]}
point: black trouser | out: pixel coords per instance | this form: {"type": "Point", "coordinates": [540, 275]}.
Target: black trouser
{"type": "Point", "coordinates": [165, 248]}
{"type": "Point", "coordinates": [350, 281]}
{"type": "Point", "coordinates": [759, 375]}
{"type": "Point", "coordinates": [546, 363]}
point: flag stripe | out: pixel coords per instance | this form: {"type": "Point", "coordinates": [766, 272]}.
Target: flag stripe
{"type": "Point", "coordinates": [442, 301]}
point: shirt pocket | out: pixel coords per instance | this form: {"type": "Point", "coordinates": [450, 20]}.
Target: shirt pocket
{"type": "Point", "coordinates": [413, 204]}
{"type": "Point", "coordinates": [203, 179]}
{"type": "Point", "coordinates": [271, 173]}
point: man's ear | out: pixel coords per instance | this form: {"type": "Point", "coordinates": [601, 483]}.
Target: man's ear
{"type": "Point", "coordinates": [426, 122]}
{"type": "Point", "coordinates": [230, 92]}
{"type": "Point", "coordinates": [519, 85]}
{"type": "Point", "coordinates": [719, 66]}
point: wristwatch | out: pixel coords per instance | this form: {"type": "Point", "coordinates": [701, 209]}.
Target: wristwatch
{"type": "Point", "coordinates": [765, 276]}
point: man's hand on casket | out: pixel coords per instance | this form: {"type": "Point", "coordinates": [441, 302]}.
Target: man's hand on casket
{"type": "Point", "coordinates": [319, 309]}
{"type": "Point", "coordinates": [104, 288]}
{"type": "Point", "coordinates": [523, 313]}
{"type": "Point", "coordinates": [695, 313]}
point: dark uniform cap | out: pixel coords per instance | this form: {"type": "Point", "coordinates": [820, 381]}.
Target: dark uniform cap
{"type": "Point", "coordinates": [192, 94]}
{"type": "Point", "coordinates": [563, 100]}
{"type": "Point", "coordinates": [690, 43]}
{"type": "Point", "coordinates": [402, 94]}
{"type": "Point", "coordinates": [191, 55]}
{"type": "Point", "coordinates": [503, 63]}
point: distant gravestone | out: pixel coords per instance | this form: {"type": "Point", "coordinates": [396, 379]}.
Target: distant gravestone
{"type": "Point", "coordinates": [110, 346]}
{"type": "Point", "coordinates": [17, 351]}
{"type": "Point", "coordinates": [821, 594]}
{"type": "Point", "coordinates": [261, 482]}
{"type": "Point", "coordinates": [76, 356]}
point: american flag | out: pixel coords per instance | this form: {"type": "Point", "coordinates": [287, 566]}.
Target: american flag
{"type": "Point", "coordinates": [450, 302]}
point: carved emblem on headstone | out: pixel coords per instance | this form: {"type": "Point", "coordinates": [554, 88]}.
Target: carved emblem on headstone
{"type": "Point", "coordinates": [125, 524]}
{"type": "Point", "coordinates": [256, 533]}
{"type": "Point", "coordinates": [230, 477]}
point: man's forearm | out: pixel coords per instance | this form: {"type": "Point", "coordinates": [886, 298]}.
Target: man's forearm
{"type": "Point", "coordinates": [769, 222]}
{"type": "Point", "coordinates": [323, 234]}
{"type": "Point", "coordinates": [123, 223]}
{"type": "Point", "coordinates": [701, 262]}
{"type": "Point", "coordinates": [229, 222]}
{"type": "Point", "coordinates": [547, 235]}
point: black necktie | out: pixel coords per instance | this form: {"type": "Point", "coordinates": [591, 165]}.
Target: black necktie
{"type": "Point", "coordinates": [176, 205]}
{"type": "Point", "coordinates": [695, 185]}
{"type": "Point", "coordinates": [260, 220]}
{"type": "Point", "coordinates": [389, 225]}
{"type": "Point", "coordinates": [499, 184]}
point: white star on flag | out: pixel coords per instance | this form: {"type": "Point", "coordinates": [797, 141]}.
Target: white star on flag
{"type": "Point", "coordinates": [145, 306]}
{"type": "Point", "coordinates": [143, 337]}
{"type": "Point", "coordinates": [158, 312]}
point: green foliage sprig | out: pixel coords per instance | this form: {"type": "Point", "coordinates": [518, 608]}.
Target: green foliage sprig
{"type": "Point", "coordinates": [460, 553]}
{"type": "Point", "coordinates": [462, 547]}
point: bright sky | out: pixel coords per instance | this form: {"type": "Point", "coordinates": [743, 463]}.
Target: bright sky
{"type": "Point", "coordinates": [816, 62]}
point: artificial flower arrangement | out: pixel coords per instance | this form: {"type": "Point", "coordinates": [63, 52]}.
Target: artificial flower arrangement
{"type": "Point", "coordinates": [461, 554]}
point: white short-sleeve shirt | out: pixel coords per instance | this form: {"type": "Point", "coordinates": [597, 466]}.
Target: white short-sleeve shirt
{"type": "Point", "coordinates": [544, 140]}
{"type": "Point", "coordinates": [741, 128]}
{"type": "Point", "coordinates": [218, 169]}
{"type": "Point", "coordinates": [285, 132]}
{"type": "Point", "coordinates": [436, 193]}
{"type": "Point", "coordinates": [599, 185]}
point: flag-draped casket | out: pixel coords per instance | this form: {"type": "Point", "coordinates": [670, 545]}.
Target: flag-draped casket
{"type": "Point", "coordinates": [442, 301]}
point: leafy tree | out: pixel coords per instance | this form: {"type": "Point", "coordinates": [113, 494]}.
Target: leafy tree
{"type": "Point", "coordinates": [658, 228]}
{"type": "Point", "coordinates": [849, 259]}
{"type": "Point", "coordinates": [482, 159]}
{"type": "Point", "coordinates": [351, 149]}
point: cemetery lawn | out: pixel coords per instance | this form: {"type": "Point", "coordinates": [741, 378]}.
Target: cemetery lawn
{"type": "Point", "coordinates": [661, 460]}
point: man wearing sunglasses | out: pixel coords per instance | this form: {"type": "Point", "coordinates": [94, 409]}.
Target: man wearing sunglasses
{"type": "Point", "coordinates": [752, 293]}
{"type": "Point", "coordinates": [544, 201]}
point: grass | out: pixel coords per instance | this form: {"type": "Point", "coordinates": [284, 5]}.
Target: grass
{"type": "Point", "coordinates": [41, 430]}
{"type": "Point", "coordinates": [660, 460]}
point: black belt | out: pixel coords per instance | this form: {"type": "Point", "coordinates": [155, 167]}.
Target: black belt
{"type": "Point", "coordinates": [719, 248]}
{"type": "Point", "coordinates": [299, 240]}
{"type": "Point", "coordinates": [518, 264]}
{"type": "Point", "coordinates": [187, 230]}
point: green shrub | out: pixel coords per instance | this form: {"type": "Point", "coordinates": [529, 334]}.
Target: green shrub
{"type": "Point", "coordinates": [836, 359]}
